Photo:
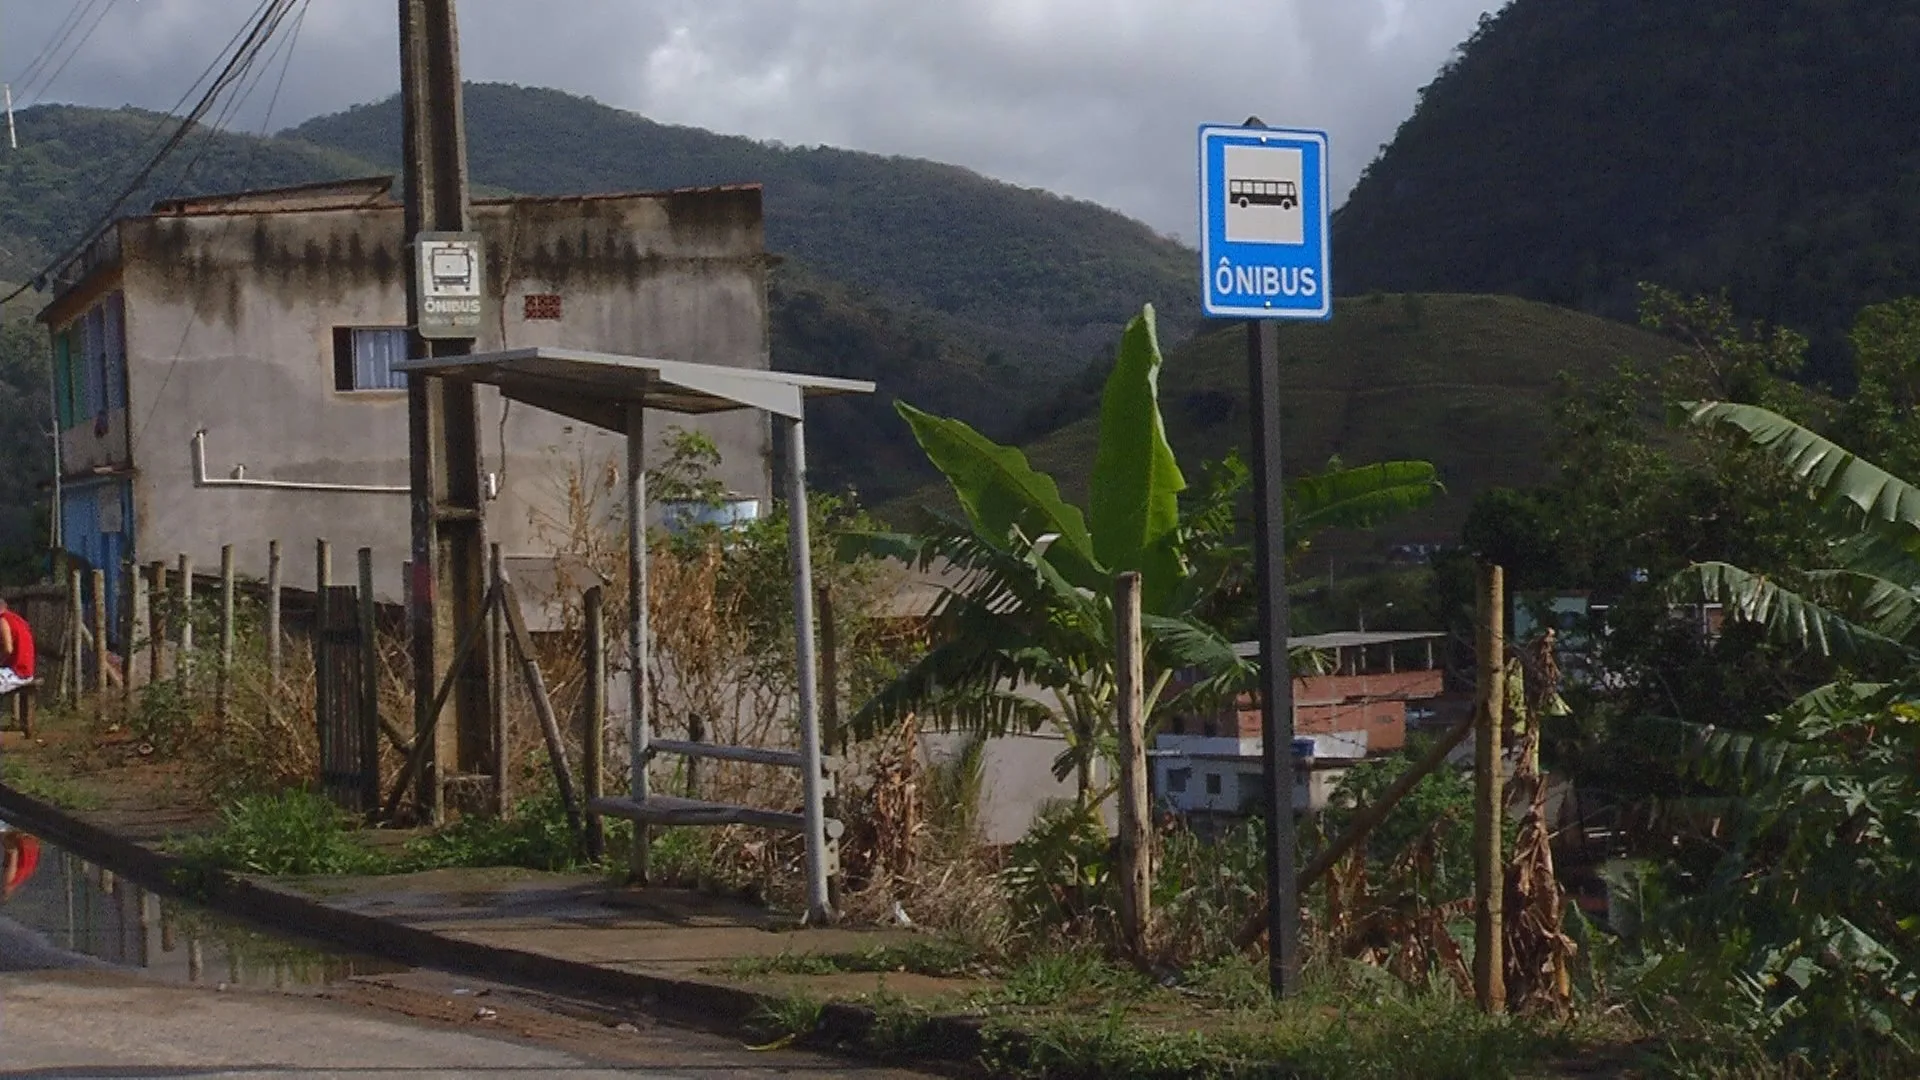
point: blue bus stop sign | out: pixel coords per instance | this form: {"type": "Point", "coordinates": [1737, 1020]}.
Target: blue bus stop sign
{"type": "Point", "coordinates": [1263, 223]}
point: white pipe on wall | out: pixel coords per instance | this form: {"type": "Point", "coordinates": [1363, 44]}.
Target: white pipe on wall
{"type": "Point", "coordinates": [200, 478]}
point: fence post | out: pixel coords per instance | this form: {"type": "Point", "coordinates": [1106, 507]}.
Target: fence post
{"type": "Point", "coordinates": [137, 617]}
{"type": "Point", "coordinates": [73, 679]}
{"type": "Point", "coordinates": [183, 663]}
{"type": "Point", "coordinates": [273, 616]}
{"type": "Point", "coordinates": [594, 700]}
{"type": "Point", "coordinates": [157, 622]}
{"type": "Point", "coordinates": [322, 696]}
{"type": "Point", "coordinates": [99, 590]}
{"type": "Point", "coordinates": [497, 692]}
{"type": "Point", "coordinates": [1489, 969]}
{"type": "Point", "coordinates": [369, 687]}
{"type": "Point", "coordinates": [223, 676]}
{"type": "Point", "coordinates": [1136, 846]}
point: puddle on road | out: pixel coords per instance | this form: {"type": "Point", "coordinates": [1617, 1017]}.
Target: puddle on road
{"type": "Point", "coordinates": [88, 910]}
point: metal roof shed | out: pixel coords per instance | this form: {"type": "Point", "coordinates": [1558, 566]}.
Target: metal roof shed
{"type": "Point", "coordinates": [614, 392]}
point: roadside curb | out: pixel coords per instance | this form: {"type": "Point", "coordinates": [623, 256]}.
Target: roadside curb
{"type": "Point", "coordinates": [708, 1006]}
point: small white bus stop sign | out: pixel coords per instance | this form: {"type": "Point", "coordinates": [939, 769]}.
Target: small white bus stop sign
{"type": "Point", "coordinates": [1263, 223]}
{"type": "Point", "coordinates": [452, 267]}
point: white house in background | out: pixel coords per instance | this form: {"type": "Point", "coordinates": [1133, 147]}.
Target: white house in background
{"type": "Point", "coordinates": [1211, 764]}
{"type": "Point", "coordinates": [1222, 776]}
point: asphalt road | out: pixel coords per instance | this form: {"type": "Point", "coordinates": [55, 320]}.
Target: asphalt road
{"type": "Point", "coordinates": [63, 1016]}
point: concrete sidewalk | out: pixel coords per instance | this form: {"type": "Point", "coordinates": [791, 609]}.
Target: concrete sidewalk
{"type": "Point", "coordinates": [674, 935]}
{"type": "Point", "coordinates": [696, 956]}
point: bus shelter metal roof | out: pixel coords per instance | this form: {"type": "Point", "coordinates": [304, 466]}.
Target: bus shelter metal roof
{"type": "Point", "coordinates": [614, 392]}
{"type": "Point", "coordinates": [595, 388]}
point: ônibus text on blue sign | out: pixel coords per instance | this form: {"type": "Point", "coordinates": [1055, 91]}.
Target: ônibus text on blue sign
{"type": "Point", "coordinates": [1263, 223]}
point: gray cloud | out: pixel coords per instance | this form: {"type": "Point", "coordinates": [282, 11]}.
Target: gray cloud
{"type": "Point", "coordinates": [1094, 98]}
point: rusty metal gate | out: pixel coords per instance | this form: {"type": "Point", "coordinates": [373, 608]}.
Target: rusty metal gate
{"type": "Point", "coordinates": [346, 710]}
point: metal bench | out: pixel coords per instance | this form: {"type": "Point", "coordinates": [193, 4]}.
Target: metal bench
{"type": "Point", "coordinates": [674, 810]}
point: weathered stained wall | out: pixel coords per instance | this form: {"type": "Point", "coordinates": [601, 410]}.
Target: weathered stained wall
{"type": "Point", "coordinates": [230, 327]}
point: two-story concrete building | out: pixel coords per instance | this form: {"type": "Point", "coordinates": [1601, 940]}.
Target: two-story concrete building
{"type": "Point", "coordinates": [259, 330]}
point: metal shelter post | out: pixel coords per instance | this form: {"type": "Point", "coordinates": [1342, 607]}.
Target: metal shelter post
{"type": "Point", "coordinates": [639, 643]}
{"type": "Point", "coordinates": [812, 773]}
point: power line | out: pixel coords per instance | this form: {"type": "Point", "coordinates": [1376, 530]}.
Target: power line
{"type": "Point", "coordinates": [54, 42]}
{"type": "Point", "coordinates": [290, 43]}
{"type": "Point", "coordinates": [253, 41]}
{"type": "Point", "coordinates": [47, 83]}
{"type": "Point", "coordinates": [237, 100]}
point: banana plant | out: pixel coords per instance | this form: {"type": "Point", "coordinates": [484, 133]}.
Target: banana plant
{"type": "Point", "coordinates": [1817, 879]}
{"type": "Point", "coordinates": [1863, 605]}
{"type": "Point", "coordinates": [1023, 634]}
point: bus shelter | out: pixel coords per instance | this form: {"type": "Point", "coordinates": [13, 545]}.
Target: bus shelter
{"type": "Point", "coordinates": [614, 392]}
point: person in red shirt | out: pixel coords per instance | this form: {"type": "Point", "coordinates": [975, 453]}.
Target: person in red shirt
{"type": "Point", "coordinates": [16, 650]}
{"type": "Point", "coordinates": [19, 857]}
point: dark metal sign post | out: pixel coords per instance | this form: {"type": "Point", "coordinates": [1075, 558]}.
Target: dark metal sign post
{"type": "Point", "coordinates": [1276, 676]}
{"type": "Point", "coordinates": [1264, 248]}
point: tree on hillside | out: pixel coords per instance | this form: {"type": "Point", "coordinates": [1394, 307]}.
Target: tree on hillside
{"type": "Point", "coordinates": [1025, 638]}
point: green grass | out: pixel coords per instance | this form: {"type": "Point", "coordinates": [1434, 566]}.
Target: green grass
{"type": "Point", "coordinates": [290, 834]}
{"type": "Point", "coordinates": [56, 790]}
{"type": "Point", "coordinates": [1064, 1016]}
{"type": "Point", "coordinates": [938, 957]}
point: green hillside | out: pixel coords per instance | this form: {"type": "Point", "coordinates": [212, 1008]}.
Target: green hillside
{"type": "Point", "coordinates": [1573, 150]}
{"type": "Point", "coordinates": [1043, 280]}
{"type": "Point", "coordinates": [73, 160]}
{"type": "Point", "coordinates": [1462, 381]}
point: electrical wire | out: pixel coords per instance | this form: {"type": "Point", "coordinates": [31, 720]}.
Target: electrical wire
{"type": "Point", "coordinates": [235, 101]}
{"type": "Point", "coordinates": [47, 83]}
{"type": "Point", "coordinates": [291, 42]}
{"type": "Point", "coordinates": [54, 43]}
{"type": "Point", "coordinates": [253, 41]}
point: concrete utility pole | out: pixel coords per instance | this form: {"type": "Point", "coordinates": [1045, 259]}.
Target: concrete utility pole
{"type": "Point", "coordinates": [449, 535]}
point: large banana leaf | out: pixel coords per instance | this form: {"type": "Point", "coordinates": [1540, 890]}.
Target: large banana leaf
{"type": "Point", "coordinates": [1358, 498]}
{"type": "Point", "coordinates": [1890, 610]}
{"type": "Point", "coordinates": [1134, 507]}
{"type": "Point", "coordinates": [1786, 615]}
{"type": "Point", "coordinates": [1003, 495]}
{"type": "Point", "coordinates": [1836, 475]}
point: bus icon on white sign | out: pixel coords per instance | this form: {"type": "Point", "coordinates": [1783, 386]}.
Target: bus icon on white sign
{"type": "Point", "coordinates": [1284, 194]}
{"type": "Point", "coordinates": [1263, 195]}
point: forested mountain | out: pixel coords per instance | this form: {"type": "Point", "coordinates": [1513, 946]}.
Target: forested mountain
{"type": "Point", "coordinates": [1574, 149]}
{"type": "Point", "coordinates": [1045, 281]}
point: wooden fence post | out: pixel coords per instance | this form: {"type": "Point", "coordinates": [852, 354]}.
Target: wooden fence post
{"type": "Point", "coordinates": [137, 618]}
{"type": "Point", "coordinates": [183, 661]}
{"type": "Point", "coordinates": [73, 679]}
{"type": "Point", "coordinates": [1489, 970]}
{"type": "Point", "coordinates": [369, 686]}
{"type": "Point", "coordinates": [157, 622]}
{"type": "Point", "coordinates": [1136, 842]}
{"type": "Point", "coordinates": [273, 616]}
{"type": "Point", "coordinates": [223, 676]}
{"type": "Point", "coordinates": [594, 702]}
{"type": "Point", "coordinates": [99, 590]}
{"type": "Point", "coordinates": [497, 694]}
{"type": "Point", "coordinates": [322, 705]}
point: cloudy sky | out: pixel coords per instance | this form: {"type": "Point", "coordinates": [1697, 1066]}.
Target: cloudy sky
{"type": "Point", "coordinates": [1093, 98]}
